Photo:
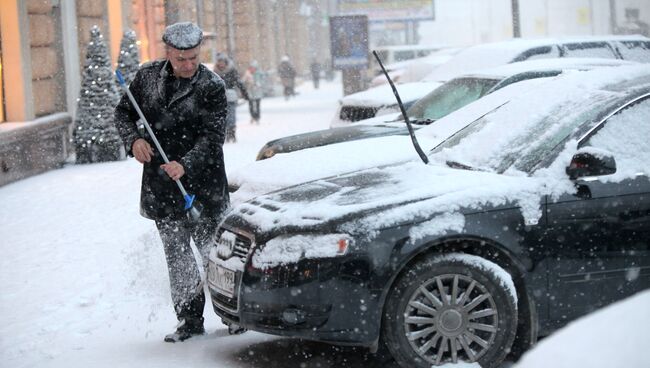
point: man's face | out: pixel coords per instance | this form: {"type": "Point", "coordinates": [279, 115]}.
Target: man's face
{"type": "Point", "coordinates": [221, 64]}
{"type": "Point", "coordinates": [184, 62]}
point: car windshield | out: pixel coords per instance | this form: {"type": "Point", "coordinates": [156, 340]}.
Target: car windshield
{"type": "Point", "coordinates": [450, 97]}
{"type": "Point", "coordinates": [519, 135]}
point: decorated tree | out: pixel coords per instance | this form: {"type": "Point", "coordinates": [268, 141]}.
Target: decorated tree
{"type": "Point", "coordinates": [129, 60]}
{"type": "Point", "coordinates": [95, 136]}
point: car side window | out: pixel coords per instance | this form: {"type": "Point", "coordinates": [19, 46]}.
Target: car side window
{"type": "Point", "coordinates": [635, 50]}
{"type": "Point", "coordinates": [544, 52]}
{"type": "Point", "coordinates": [589, 49]}
{"type": "Point", "coordinates": [626, 135]}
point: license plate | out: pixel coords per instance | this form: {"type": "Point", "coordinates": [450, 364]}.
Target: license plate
{"type": "Point", "coordinates": [223, 279]}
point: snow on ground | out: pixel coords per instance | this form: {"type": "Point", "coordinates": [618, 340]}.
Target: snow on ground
{"type": "Point", "coordinates": [83, 281]}
{"type": "Point", "coordinates": [613, 337]}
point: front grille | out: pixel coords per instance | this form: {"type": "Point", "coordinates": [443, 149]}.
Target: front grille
{"type": "Point", "coordinates": [241, 247]}
{"type": "Point", "coordinates": [356, 113]}
{"type": "Point", "coordinates": [231, 244]}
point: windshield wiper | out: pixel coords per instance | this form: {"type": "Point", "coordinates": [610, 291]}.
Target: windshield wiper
{"type": "Point", "coordinates": [458, 165]}
{"type": "Point", "coordinates": [416, 145]}
{"type": "Point", "coordinates": [422, 121]}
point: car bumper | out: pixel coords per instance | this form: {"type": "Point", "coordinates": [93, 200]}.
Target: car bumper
{"type": "Point", "coordinates": [320, 300]}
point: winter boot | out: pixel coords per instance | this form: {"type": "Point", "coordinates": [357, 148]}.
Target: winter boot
{"type": "Point", "coordinates": [185, 329]}
{"type": "Point", "coordinates": [190, 319]}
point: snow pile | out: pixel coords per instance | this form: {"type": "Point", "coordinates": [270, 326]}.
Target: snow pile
{"type": "Point", "coordinates": [610, 337]}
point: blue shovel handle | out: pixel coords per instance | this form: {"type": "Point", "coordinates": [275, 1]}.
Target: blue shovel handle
{"type": "Point", "coordinates": [189, 199]}
{"type": "Point", "coordinates": [119, 77]}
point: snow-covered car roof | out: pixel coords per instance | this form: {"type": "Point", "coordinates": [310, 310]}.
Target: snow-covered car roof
{"type": "Point", "coordinates": [414, 70]}
{"type": "Point", "coordinates": [305, 165]}
{"type": "Point", "coordinates": [499, 53]}
{"type": "Point", "coordinates": [507, 70]}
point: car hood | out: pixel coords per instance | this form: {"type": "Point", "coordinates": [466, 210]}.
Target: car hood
{"type": "Point", "coordinates": [383, 95]}
{"type": "Point", "coordinates": [381, 197]}
{"type": "Point", "coordinates": [287, 169]}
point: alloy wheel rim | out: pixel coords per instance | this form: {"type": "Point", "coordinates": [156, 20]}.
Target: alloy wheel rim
{"type": "Point", "coordinates": [449, 318]}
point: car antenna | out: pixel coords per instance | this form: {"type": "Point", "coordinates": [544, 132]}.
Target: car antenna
{"type": "Point", "coordinates": [418, 149]}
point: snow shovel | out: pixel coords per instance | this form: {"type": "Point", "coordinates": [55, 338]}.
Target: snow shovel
{"type": "Point", "coordinates": [190, 205]}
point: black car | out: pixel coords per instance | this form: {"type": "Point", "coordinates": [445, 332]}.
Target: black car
{"type": "Point", "coordinates": [469, 258]}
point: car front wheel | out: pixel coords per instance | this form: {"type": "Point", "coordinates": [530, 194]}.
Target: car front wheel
{"type": "Point", "coordinates": [449, 309]}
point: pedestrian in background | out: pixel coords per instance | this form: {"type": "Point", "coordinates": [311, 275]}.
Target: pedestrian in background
{"type": "Point", "coordinates": [225, 68]}
{"type": "Point", "coordinates": [315, 68]}
{"type": "Point", "coordinates": [254, 82]}
{"type": "Point", "coordinates": [287, 75]}
{"type": "Point", "coordinates": [186, 105]}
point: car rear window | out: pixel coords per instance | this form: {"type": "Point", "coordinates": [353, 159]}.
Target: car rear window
{"type": "Point", "coordinates": [544, 52]}
{"type": "Point", "coordinates": [589, 49]}
{"type": "Point", "coordinates": [635, 50]}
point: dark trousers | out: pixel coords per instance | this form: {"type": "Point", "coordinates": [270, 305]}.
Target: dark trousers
{"type": "Point", "coordinates": [184, 277]}
{"type": "Point", "coordinates": [254, 108]}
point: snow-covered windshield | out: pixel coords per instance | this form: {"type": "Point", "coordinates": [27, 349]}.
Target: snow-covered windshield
{"type": "Point", "coordinates": [520, 134]}
{"type": "Point", "coordinates": [450, 97]}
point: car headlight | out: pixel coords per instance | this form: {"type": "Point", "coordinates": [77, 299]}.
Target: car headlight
{"type": "Point", "coordinates": [288, 249]}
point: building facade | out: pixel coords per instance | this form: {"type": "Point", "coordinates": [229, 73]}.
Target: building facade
{"type": "Point", "coordinates": [43, 45]}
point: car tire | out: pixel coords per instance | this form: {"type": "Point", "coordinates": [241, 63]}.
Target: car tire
{"type": "Point", "coordinates": [425, 323]}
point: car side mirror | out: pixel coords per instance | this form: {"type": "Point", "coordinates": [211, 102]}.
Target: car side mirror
{"type": "Point", "coordinates": [591, 163]}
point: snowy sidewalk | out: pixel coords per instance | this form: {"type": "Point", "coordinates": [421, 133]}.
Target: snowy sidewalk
{"type": "Point", "coordinates": [83, 281]}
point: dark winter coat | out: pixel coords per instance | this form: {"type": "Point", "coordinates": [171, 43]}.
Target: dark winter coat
{"type": "Point", "coordinates": [287, 73]}
{"type": "Point", "coordinates": [189, 122]}
{"type": "Point", "coordinates": [286, 70]}
{"type": "Point", "coordinates": [232, 79]}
